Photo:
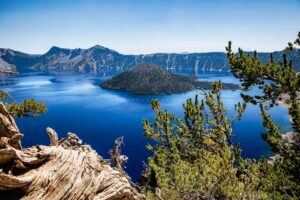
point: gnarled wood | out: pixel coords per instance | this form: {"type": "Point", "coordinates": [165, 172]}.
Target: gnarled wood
{"type": "Point", "coordinates": [9, 129]}
{"type": "Point", "coordinates": [53, 136]}
{"type": "Point", "coordinates": [64, 170]}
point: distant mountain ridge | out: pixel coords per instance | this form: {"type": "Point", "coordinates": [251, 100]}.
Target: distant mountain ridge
{"type": "Point", "coordinates": [98, 59]}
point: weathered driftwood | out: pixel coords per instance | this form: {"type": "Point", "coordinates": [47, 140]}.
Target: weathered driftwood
{"type": "Point", "coordinates": [9, 132]}
{"type": "Point", "coordinates": [65, 169]}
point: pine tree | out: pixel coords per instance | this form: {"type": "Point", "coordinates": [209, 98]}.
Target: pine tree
{"type": "Point", "coordinates": [278, 82]}
{"type": "Point", "coordinates": [28, 108]}
{"type": "Point", "coordinates": [195, 157]}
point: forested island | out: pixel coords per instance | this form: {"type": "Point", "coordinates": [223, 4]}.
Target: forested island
{"type": "Point", "coordinates": [146, 78]}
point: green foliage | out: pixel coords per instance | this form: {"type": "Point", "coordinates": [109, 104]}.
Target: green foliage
{"type": "Point", "coordinates": [196, 155]}
{"type": "Point", "coordinates": [195, 158]}
{"type": "Point", "coordinates": [28, 108]}
{"type": "Point", "coordinates": [277, 82]}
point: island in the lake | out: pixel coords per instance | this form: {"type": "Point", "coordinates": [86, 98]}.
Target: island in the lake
{"type": "Point", "coordinates": [146, 78]}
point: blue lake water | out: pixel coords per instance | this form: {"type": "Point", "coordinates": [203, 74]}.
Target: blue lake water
{"type": "Point", "coordinates": [77, 104]}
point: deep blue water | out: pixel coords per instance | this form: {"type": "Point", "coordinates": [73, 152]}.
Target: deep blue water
{"type": "Point", "coordinates": [77, 104]}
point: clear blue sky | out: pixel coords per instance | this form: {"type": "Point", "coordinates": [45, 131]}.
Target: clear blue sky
{"type": "Point", "coordinates": [147, 26]}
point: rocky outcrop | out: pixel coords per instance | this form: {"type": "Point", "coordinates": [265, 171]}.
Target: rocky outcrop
{"type": "Point", "coordinates": [66, 169]}
{"type": "Point", "coordinates": [4, 65]}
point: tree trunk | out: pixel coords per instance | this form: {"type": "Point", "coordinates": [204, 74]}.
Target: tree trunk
{"type": "Point", "coordinates": [65, 169]}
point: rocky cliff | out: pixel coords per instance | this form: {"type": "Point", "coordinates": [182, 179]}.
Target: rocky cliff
{"type": "Point", "coordinates": [100, 59]}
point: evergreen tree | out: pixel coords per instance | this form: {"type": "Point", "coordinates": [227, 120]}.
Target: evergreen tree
{"type": "Point", "coordinates": [195, 158]}
{"type": "Point", "coordinates": [28, 108]}
{"type": "Point", "coordinates": [278, 82]}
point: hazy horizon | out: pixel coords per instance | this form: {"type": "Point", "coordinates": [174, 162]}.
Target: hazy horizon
{"type": "Point", "coordinates": [134, 27]}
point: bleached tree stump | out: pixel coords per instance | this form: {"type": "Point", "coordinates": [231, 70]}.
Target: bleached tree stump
{"type": "Point", "coordinates": [64, 170]}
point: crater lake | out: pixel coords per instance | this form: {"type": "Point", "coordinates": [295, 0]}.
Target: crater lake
{"type": "Point", "coordinates": [77, 104]}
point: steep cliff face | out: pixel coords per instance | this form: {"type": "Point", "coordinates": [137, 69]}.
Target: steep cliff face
{"type": "Point", "coordinates": [79, 60]}
{"type": "Point", "coordinates": [5, 66]}
{"type": "Point", "coordinates": [65, 169]}
{"type": "Point", "coordinates": [16, 60]}
{"type": "Point", "coordinates": [99, 59]}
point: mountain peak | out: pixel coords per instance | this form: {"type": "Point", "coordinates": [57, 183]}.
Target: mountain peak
{"type": "Point", "coordinates": [55, 47]}
{"type": "Point", "coordinates": [97, 46]}
{"type": "Point", "coordinates": [57, 50]}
